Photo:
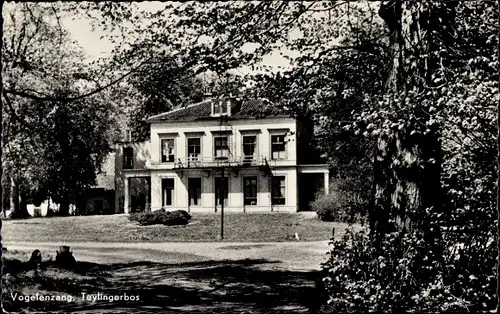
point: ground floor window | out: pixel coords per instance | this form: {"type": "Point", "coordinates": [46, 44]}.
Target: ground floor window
{"type": "Point", "coordinates": [221, 189]}
{"type": "Point", "coordinates": [167, 187]}
{"type": "Point", "coordinates": [278, 190]}
{"type": "Point", "coordinates": [194, 191]}
{"type": "Point", "coordinates": [250, 190]}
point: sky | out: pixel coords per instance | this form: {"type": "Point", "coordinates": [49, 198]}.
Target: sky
{"type": "Point", "coordinates": [96, 47]}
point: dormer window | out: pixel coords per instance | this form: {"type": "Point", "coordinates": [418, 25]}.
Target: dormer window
{"type": "Point", "coordinates": [221, 107]}
{"type": "Point", "coordinates": [128, 135]}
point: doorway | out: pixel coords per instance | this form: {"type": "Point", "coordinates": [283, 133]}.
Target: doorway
{"type": "Point", "coordinates": [310, 184]}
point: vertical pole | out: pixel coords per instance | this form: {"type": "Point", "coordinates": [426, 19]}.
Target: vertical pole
{"type": "Point", "coordinates": [222, 192]}
{"type": "Point", "coordinates": [126, 195]}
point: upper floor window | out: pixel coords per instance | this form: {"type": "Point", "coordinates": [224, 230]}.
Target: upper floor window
{"type": "Point", "coordinates": [221, 107]}
{"type": "Point", "coordinates": [278, 147]}
{"type": "Point", "coordinates": [194, 148]}
{"type": "Point", "coordinates": [250, 147]}
{"type": "Point", "coordinates": [221, 147]}
{"type": "Point", "coordinates": [128, 158]}
{"type": "Point", "coordinates": [167, 150]}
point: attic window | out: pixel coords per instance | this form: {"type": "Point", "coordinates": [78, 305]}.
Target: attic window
{"type": "Point", "coordinates": [221, 107]}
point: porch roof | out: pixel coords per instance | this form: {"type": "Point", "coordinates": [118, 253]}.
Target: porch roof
{"type": "Point", "coordinates": [136, 173]}
{"type": "Point", "coordinates": [316, 168]}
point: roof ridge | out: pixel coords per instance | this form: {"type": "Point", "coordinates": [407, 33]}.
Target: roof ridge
{"type": "Point", "coordinates": [178, 109]}
{"type": "Point", "coordinates": [250, 107]}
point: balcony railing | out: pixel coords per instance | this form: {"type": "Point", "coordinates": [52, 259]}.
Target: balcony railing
{"type": "Point", "coordinates": [214, 162]}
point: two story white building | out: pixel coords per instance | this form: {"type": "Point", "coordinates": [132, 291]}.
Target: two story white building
{"type": "Point", "coordinates": [247, 154]}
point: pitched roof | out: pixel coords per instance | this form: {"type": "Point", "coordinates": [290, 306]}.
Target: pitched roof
{"type": "Point", "coordinates": [240, 109]}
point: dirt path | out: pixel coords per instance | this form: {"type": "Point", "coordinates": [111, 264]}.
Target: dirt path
{"type": "Point", "coordinates": [199, 277]}
{"type": "Point", "coordinates": [285, 255]}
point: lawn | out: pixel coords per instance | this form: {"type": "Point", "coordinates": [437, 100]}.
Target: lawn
{"type": "Point", "coordinates": [238, 227]}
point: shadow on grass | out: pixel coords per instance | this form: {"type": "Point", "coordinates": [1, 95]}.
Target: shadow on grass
{"type": "Point", "coordinates": [242, 286]}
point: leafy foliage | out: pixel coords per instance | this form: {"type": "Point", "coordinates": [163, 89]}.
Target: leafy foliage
{"type": "Point", "coordinates": [160, 86]}
{"type": "Point", "coordinates": [161, 217]}
{"type": "Point", "coordinates": [340, 205]}
{"type": "Point", "coordinates": [395, 277]}
{"type": "Point", "coordinates": [460, 107]}
{"type": "Point", "coordinates": [53, 146]}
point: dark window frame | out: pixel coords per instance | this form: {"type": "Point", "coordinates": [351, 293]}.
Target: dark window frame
{"type": "Point", "coordinates": [220, 148]}
{"type": "Point", "coordinates": [198, 192]}
{"type": "Point", "coordinates": [167, 157]}
{"type": "Point", "coordinates": [277, 184]}
{"type": "Point", "coordinates": [276, 144]}
{"type": "Point", "coordinates": [164, 187]}
{"type": "Point", "coordinates": [246, 145]}
{"type": "Point", "coordinates": [252, 189]}
{"type": "Point", "coordinates": [220, 107]}
{"type": "Point", "coordinates": [128, 157]}
{"type": "Point", "coordinates": [193, 155]}
{"type": "Point", "coordinates": [217, 183]}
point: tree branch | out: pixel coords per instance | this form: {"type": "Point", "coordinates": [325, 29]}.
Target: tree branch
{"type": "Point", "coordinates": [69, 99]}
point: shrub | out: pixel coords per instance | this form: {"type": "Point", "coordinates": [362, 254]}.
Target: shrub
{"type": "Point", "coordinates": [161, 217]}
{"type": "Point", "coordinates": [339, 206]}
{"type": "Point", "coordinates": [402, 275]}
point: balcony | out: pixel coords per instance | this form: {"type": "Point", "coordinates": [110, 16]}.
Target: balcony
{"type": "Point", "coordinates": [215, 162]}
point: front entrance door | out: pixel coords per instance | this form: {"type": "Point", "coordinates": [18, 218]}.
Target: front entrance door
{"type": "Point", "coordinates": [310, 185]}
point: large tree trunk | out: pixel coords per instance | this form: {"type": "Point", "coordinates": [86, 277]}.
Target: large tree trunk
{"type": "Point", "coordinates": [14, 205]}
{"type": "Point", "coordinates": [23, 208]}
{"type": "Point", "coordinates": [18, 210]}
{"type": "Point", "coordinates": [64, 207]}
{"type": "Point", "coordinates": [5, 194]}
{"type": "Point", "coordinates": [403, 193]}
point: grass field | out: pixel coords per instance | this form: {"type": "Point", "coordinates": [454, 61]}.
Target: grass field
{"type": "Point", "coordinates": [207, 280]}
{"type": "Point", "coordinates": [238, 227]}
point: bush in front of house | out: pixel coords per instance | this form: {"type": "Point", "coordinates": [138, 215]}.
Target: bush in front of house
{"type": "Point", "coordinates": [340, 206]}
{"type": "Point", "coordinates": [161, 217]}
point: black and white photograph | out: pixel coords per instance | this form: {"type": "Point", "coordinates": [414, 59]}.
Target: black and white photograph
{"type": "Point", "coordinates": [333, 156]}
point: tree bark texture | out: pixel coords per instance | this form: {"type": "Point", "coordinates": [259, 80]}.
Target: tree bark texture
{"type": "Point", "coordinates": [407, 165]}
{"type": "Point", "coordinates": [18, 208]}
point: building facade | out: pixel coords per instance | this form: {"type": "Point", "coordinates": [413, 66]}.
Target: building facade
{"type": "Point", "coordinates": [245, 154]}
